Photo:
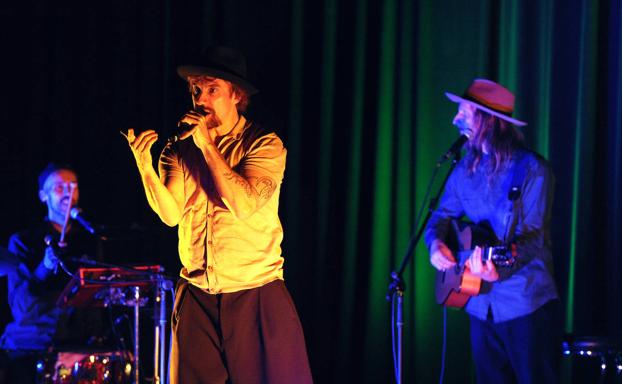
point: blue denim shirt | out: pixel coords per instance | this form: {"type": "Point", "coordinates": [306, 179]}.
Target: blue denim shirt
{"type": "Point", "coordinates": [8, 262]}
{"type": "Point", "coordinates": [529, 283]}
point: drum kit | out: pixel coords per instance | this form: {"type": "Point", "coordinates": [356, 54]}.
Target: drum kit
{"type": "Point", "coordinates": [85, 368]}
{"type": "Point", "coordinates": [104, 287]}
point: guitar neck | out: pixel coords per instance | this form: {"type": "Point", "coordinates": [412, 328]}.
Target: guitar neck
{"type": "Point", "coordinates": [498, 254]}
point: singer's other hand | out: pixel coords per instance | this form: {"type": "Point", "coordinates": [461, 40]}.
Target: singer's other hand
{"type": "Point", "coordinates": [141, 147]}
{"type": "Point", "coordinates": [440, 256]}
{"type": "Point", "coordinates": [200, 132]}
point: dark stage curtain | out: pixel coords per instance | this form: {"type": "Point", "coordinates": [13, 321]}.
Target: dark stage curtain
{"type": "Point", "coordinates": [356, 90]}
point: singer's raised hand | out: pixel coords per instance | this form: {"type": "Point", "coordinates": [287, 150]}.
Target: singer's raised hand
{"type": "Point", "coordinates": [141, 147]}
{"type": "Point", "coordinates": [164, 196]}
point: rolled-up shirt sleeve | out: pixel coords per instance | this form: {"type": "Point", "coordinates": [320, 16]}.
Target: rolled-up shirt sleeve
{"type": "Point", "coordinates": [532, 231]}
{"type": "Point", "coordinates": [169, 165]}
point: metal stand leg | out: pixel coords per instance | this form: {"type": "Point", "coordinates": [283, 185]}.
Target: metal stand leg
{"type": "Point", "coordinates": [156, 355]}
{"type": "Point", "coordinates": [136, 335]}
{"type": "Point", "coordinates": [163, 335]}
{"type": "Point", "coordinates": [159, 358]}
{"type": "Point", "coordinates": [400, 325]}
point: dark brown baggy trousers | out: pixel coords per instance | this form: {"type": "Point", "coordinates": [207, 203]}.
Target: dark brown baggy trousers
{"type": "Point", "coordinates": [246, 337]}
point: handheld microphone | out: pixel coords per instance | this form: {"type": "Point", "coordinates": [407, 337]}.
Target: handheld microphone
{"type": "Point", "coordinates": [454, 149]}
{"type": "Point", "coordinates": [48, 240]}
{"type": "Point", "coordinates": [76, 214]}
{"type": "Point", "coordinates": [186, 131]}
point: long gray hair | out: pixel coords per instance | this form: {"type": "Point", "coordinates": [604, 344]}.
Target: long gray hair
{"type": "Point", "coordinates": [499, 137]}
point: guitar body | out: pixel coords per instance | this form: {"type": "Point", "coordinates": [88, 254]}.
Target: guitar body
{"type": "Point", "coordinates": [455, 286]}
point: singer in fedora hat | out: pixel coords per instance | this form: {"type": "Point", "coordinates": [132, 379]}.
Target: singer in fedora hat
{"type": "Point", "coordinates": [508, 189]}
{"type": "Point", "coordinates": [219, 182]}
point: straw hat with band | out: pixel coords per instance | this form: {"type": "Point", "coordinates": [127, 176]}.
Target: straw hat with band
{"type": "Point", "coordinates": [490, 97]}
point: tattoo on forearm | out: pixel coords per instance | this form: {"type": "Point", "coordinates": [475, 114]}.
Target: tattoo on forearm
{"type": "Point", "coordinates": [264, 186]}
{"type": "Point", "coordinates": [239, 180]}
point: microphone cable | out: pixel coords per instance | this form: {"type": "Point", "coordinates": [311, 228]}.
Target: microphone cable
{"type": "Point", "coordinates": [444, 346]}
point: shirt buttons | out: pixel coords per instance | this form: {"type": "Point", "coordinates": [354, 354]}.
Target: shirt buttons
{"type": "Point", "coordinates": [209, 242]}
{"type": "Point", "coordinates": [210, 268]}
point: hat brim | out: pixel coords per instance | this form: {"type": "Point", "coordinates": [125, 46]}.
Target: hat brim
{"type": "Point", "coordinates": [458, 99]}
{"type": "Point", "coordinates": [193, 70]}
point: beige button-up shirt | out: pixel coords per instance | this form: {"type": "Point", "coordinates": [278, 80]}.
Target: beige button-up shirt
{"type": "Point", "coordinates": [221, 253]}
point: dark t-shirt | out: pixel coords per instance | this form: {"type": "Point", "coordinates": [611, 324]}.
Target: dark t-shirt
{"type": "Point", "coordinates": [38, 323]}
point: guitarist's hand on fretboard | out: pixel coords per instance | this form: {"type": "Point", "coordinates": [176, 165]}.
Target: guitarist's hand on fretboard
{"type": "Point", "coordinates": [441, 256]}
{"type": "Point", "coordinates": [485, 271]}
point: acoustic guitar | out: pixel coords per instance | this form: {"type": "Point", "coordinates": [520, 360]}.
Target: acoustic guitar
{"type": "Point", "coordinates": [455, 286]}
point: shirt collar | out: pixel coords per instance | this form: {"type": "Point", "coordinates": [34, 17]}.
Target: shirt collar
{"type": "Point", "coordinates": [238, 129]}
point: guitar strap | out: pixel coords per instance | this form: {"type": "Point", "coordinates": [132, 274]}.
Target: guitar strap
{"type": "Point", "coordinates": [518, 178]}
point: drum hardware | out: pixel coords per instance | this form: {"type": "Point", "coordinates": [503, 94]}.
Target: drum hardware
{"type": "Point", "coordinates": [85, 368]}
{"type": "Point", "coordinates": [118, 285]}
{"type": "Point", "coordinates": [605, 351]}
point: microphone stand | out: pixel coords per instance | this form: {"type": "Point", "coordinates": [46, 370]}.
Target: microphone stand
{"type": "Point", "coordinates": [396, 286]}
{"type": "Point", "coordinates": [159, 350]}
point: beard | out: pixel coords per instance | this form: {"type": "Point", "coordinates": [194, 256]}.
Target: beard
{"type": "Point", "coordinates": [212, 121]}
{"type": "Point", "coordinates": [464, 128]}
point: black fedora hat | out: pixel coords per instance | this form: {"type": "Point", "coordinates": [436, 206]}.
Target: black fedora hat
{"type": "Point", "coordinates": [220, 62]}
